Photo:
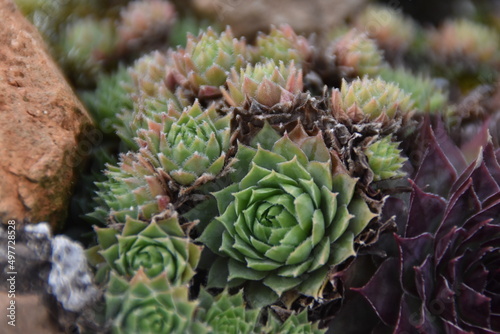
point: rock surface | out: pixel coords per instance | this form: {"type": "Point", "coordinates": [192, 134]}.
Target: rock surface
{"type": "Point", "coordinates": [31, 315]}
{"type": "Point", "coordinates": [41, 125]}
{"type": "Point", "coordinates": [248, 17]}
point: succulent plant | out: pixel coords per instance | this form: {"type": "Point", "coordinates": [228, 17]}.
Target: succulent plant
{"type": "Point", "coordinates": [143, 20]}
{"type": "Point", "coordinates": [385, 159]}
{"type": "Point", "coordinates": [149, 72]}
{"type": "Point", "coordinates": [86, 43]}
{"type": "Point", "coordinates": [205, 63]}
{"type": "Point", "coordinates": [110, 98]}
{"type": "Point", "coordinates": [296, 323]}
{"type": "Point", "coordinates": [439, 274]}
{"type": "Point", "coordinates": [393, 31]}
{"type": "Point", "coordinates": [357, 54]}
{"type": "Point", "coordinates": [133, 189]}
{"type": "Point", "coordinates": [156, 247]}
{"type": "Point", "coordinates": [266, 83]}
{"type": "Point", "coordinates": [146, 305]}
{"type": "Point", "coordinates": [465, 42]}
{"type": "Point", "coordinates": [226, 314]}
{"type": "Point", "coordinates": [425, 92]}
{"type": "Point", "coordinates": [187, 146]}
{"type": "Point", "coordinates": [283, 44]}
{"type": "Point", "coordinates": [286, 220]}
{"type": "Point", "coordinates": [371, 100]}
{"type": "Point", "coordinates": [152, 95]}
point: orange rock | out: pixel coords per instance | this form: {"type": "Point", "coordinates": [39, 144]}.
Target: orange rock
{"type": "Point", "coordinates": [43, 126]}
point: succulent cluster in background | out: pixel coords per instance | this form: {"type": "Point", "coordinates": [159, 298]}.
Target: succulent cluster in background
{"type": "Point", "coordinates": [292, 184]}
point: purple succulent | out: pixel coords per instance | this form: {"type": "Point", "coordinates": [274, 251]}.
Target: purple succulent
{"type": "Point", "coordinates": [441, 272]}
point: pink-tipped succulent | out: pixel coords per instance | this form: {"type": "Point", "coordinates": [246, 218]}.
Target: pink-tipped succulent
{"type": "Point", "coordinates": [145, 20]}
{"type": "Point", "coordinates": [267, 83]}
{"type": "Point", "coordinates": [393, 31]}
{"type": "Point", "coordinates": [371, 100]}
{"type": "Point", "coordinates": [356, 54]}
{"type": "Point", "coordinates": [204, 65]}
{"type": "Point", "coordinates": [283, 44]}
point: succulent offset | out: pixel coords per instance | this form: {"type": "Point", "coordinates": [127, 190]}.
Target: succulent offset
{"type": "Point", "coordinates": [283, 44]}
{"type": "Point", "coordinates": [465, 42]}
{"type": "Point", "coordinates": [267, 83]}
{"type": "Point", "coordinates": [227, 314]}
{"type": "Point", "coordinates": [358, 54]}
{"type": "Point", "coordinates": [132, 189]}
{"type": "Point", "coordinates": [206, 61]}
{"type": "Point", "coordinates": [146, 305]}
{"type": "Point", "coordinates": [143, 20]}
{"type": "Point", "coordinates": [389, 27]}
{"type": "Point", "coordinates": [158, 247]}
{"type": "Point", "coordinates": [287, 219]}
{"type": "Point", "coordinates": [371, 100]}
{"type": "Point", "coordinates": [87, 43]}
{"type": "Point", "coordinates": [425, 92]}
{"type": "Point", "coordinates": [188, 146]}
{"type": "Point", "coordinates": [385, 159]}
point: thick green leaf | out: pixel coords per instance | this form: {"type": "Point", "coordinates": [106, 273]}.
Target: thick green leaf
{"type": "Point", "coordinates": [344, 185]}
{"type": "Point", "coordinates": [281, 284]}
{"type": "Point", "coordinates": [362, 215]}
{"type": "Point", "coordinates": [259, 296]}
{"type": "Point", "coordinates": [342, 249]}
{"type": "Point", "coordinates": [218, 274]}
{"type": "Point", "coordinates": [312, 286]}
{"type": "Point", "coordinates": [288, 149]}
{"type": "Point", "coordinates": [212, 236]}
{"type": "Point", "coordinates": [240, 270]}
{"type": "Point", "coordinates": [266, 137]}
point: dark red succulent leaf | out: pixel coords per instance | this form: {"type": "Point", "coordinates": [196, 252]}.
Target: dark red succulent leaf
{"type": "Point", "coordinates": [436, 173]}
{"type": "Point", "coordinates": [446, 277]}
{"type": "Point", "coordinates": [383, 291]}
{"type": "Point", "coordinates": [426, 212]}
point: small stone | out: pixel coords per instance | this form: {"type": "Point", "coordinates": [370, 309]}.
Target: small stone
{"type": "Point", "coordinates": [70, 278]}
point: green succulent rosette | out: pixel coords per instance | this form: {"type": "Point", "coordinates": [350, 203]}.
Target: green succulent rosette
{"type": "Point", "coordinates": [394, 32]}
{"type": "Point", "coordinates": [367, 100]}
{"type": "Point", "coordinates": [189, 146]}
{"type": "Point", "coordinates": [205, 63]}
{"type": "Point", "coordinates": [426, 94]}
{"type": "Point", "coordinates": [286, 220]}
{"type": "Point", "coordinates": [226, 314]}
{"type": "Point", "coordinates": [357, 54]}
{"type": "Point", "coordinates": [385, 159]}
{"type": "Point", "coordinates": [283, 44]}
{"type": "Point", "coordinates": [295, 324]}
{"type": "Point", "coordinates": [150, 306]}
{"type": "Point", "coordinates": [266, 83]}
{"type": "Point", "coordinates": [85, 45]}
{"type": "Point", "coordinates": [157, 246]}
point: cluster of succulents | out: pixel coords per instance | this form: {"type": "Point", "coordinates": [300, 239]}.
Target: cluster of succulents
{"type": "Point", "coordinates": [92, 37]}
{"type": "Point", "coordinates": [242, 179]}
{"type": "Point", "coordinates": [289, 185]}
